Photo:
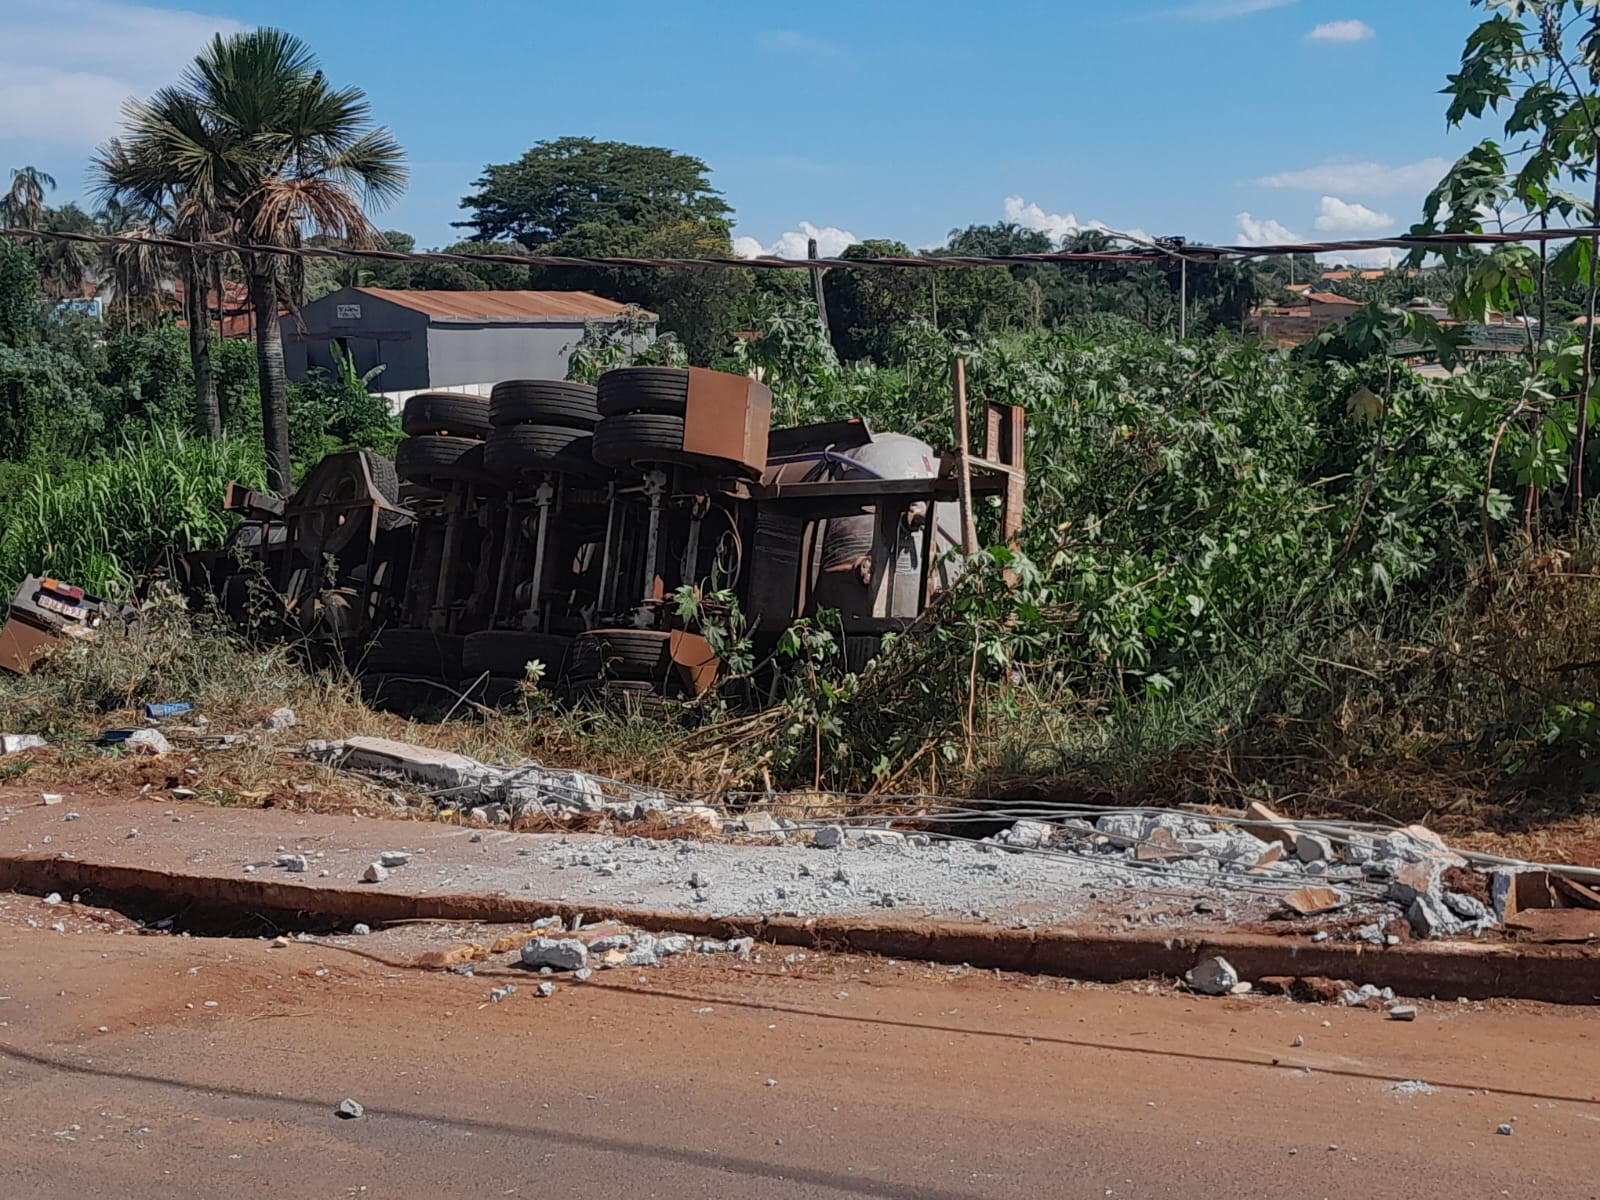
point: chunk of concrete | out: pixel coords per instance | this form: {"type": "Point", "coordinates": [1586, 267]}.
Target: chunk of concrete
{"type": "Point", "coordinates": [1403, 1012]}
{"type": "Point", "coordinates": [1312, 847]}
{"type": "Point", "coordinates": [147, 741]}
{"type": "Point", "coordinates": [375, 873]}
{"type": "Point", "coordinates": [615, 941]}
{"type": "Point", "coordinates": [1431, 919]}
{"type": "Point", "coordinates": [293, 862]}
{"type": "Point", "coordinates": [394, 858]}
{"type": "Point", "coordinates": [1269, 826]}
{"type": "Point", "coordinates": [16, 743]}
{"type": "Point", "coordinates": [1415, 878]}
{"type": "Point", "coordinates": [1123, 828]}
{"type": "Point", "coordinates": [881, 837]}
{"type": "Point", "coordinates": [280, 719]}
{"type": "Point", "coordinates": [829, 837]}
{"type": "Point", "coordinates": [761, 822]}
{"type": "Point", "coordinates": [1468, 908]}
{"type": "Point", "coordinates": [560, 954]}
{"type": "Point", "coordinates": [1212, 977]}
{"type": "Point", "coordinates": [349, 1110]}
{"type": "Point", "coordinates": [674, 944]}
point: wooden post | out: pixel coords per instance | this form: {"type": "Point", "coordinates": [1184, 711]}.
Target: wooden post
{"type": "Point", "coordinates": [969, 532]}
{"type": "Point", "coordinates": [816, 287]}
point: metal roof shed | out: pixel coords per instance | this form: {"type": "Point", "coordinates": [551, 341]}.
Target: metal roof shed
{"type": "Point", "coordinates": [453, 341]}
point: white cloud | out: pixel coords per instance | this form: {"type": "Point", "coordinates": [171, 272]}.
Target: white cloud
{"type": "Point", "coordinates": [1059, 226]}
{"type": "Point", "coordinates": [831, 242]}
{"type": "Point", "coordinates": [1262, 232]}
{"type": "Point", "coordinates": [1343, 216]}
{"type": "Point", "coordinates": [1369, 259]}
{"type": "Point", "coordinates": [1216, 10]}
{"type": "Point", "coordinates": [1342, 31]}
{"type": "Point", "coordinates": [67, 66]}
{"type": "Point", "coordinates": [1361, 178]}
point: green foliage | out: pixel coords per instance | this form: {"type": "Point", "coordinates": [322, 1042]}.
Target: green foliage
{"type": "Point", "coordinates": [623, 343]}
{"type": "Point", "coordinates": [19, 296]}
{"type": "Point", "coordinates": [570, 184]}
{"type": "Point", "coordinates": [100, 521]}
{"type": "Point", "coordinates": [330, 412]}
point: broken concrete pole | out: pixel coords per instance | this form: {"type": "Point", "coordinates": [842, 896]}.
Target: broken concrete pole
{"type": "Point", "coordinates": [16, 743]}
{"type": "Point", "coordinates": [1212, 977]}
{"type": "Point", "coordinates": [375, 873]}
{"type": "Point", "coordinates": [829, 837]}
{"type": "Point", "coordinates": [559, 954]}
{"type": "Point", "coordinates": [437, 767]}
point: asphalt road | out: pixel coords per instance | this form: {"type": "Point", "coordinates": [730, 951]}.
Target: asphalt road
{"type": "Point", "coordinates": [137, 1067]}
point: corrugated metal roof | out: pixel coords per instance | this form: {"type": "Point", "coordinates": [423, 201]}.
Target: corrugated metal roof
{"type": "Point", "coordinates": [503, 306]}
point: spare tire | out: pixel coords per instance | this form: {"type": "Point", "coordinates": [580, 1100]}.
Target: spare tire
{"type": "Point", "coordinates": [337, 479]}
{"type": "Point", "coordinates": [514, 452]}
{"type": "Point", "coordinates": [445, 412]}
{"type": "Point", "coordinates": [426, 460]}
{"type": "Point", "coordinates": [663, 390]}
{"type": "Point", "coordinates": [507, 653]}
{"type": "Point", "coordinates": [543, 402]}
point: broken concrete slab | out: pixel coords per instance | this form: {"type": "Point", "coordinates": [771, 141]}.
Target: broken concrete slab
{"type": "Point", "coordinates": [1312, 847]}
{"type": "Point", "coordinates": [1027, 834]}
{"type": "Point", "coordinates": [16, 743]}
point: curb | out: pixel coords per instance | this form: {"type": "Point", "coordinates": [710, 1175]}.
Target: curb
{"type": "Point", "coordinates": [1555, 973]}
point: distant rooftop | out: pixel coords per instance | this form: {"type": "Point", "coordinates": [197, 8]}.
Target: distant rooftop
{"type": "Point", "coordinates": [508, 306]}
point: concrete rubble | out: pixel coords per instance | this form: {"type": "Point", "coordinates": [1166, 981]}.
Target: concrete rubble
{"type": "Point", "coordinates": [16, 743]}
{"type": "Point", "coordinates": [1360, 883]}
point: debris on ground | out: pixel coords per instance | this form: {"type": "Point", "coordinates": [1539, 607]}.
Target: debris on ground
{"type": "Point", "coordinates": [1413, 1087]}
{"type": "Point", "coordinates": [350, 1110]}
{"type": "Point", "coordinates": [1403, 1012]}
{"type": "Point", "coordinates": [1212, 977]}
{"type": "Point", "coordinates": [560, 954]}
{"type": "Point", "coordinates": [375, 873]}
{"type": "Point", "coordinates": [16, 743]}
{"type": "Point", "coordinates": [1504, 1130]}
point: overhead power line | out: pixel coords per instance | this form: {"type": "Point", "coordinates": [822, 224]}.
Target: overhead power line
{"type": "Point", "coordinates": [1156, 252]}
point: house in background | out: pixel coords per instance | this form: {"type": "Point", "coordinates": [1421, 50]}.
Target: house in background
{"type": "Point", "coordinates": [446, 341]}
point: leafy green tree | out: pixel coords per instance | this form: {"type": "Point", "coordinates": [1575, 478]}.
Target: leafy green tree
{"type": "Point", "coordinates": [19, 295]}
{"type": "Point", "coordinates": [1539, 62]}
{"type": "Point", "coordinates": [559, 187]}
{"type": "Point", "coordinates": [867, 306]}
{"type": "Point", "coordinates": [255, 133]}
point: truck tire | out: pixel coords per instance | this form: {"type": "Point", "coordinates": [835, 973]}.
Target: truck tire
{"type": "Point", "coordinates": [661, 390]}
{"type": "Point", "coordinates": [429, 413]}
{"type": "Point", "coordinates": [415, 652]}
{"type": "Point", "coordinates": [543, 402]}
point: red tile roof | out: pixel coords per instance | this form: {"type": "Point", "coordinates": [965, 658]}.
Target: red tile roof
{"type": "Point", "coordinates": [503, 306]}
{"type": "Point", "coordinates": [1331, 298]}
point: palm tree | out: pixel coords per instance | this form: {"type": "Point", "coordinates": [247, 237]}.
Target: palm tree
{"type": "Point", "coordinates": [24, 202]}
{"type": "Point", "coordinates": [265, 151]}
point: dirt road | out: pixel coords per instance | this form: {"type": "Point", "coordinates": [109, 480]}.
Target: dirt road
{"type": "Point", "coordinates": [145, 1066]}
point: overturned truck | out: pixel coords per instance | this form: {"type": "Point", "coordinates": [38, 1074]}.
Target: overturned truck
{"type": "Point", "coordinates": [556, 522]}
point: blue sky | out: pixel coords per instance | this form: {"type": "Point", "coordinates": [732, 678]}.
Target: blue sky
{"type": "Point", "coordinates": [1222, 120]}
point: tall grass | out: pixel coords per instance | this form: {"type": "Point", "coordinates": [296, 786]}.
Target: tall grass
{"type": "Point", "coordinates": [98, 522]}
